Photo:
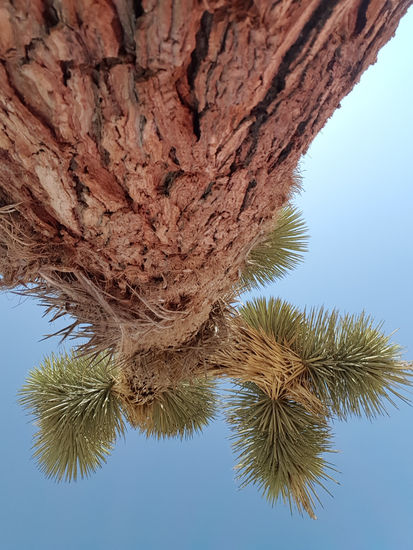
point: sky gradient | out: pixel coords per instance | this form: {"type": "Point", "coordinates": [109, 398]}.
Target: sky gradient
{"type": "Point", "coordinates": [357, 201]}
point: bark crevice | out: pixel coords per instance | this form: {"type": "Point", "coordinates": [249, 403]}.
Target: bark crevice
{"type": "Point", "coordinates": [148, 145]}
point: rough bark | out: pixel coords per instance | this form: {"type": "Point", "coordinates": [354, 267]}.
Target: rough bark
{"type": "Point", "coordinates": [147, 144]}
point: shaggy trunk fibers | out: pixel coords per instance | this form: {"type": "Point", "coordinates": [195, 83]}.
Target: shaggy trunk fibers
{"type": "Point", "coordinates": [144, 147]}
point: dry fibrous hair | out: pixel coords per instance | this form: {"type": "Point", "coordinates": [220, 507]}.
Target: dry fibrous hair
{"type": "Point", "coordinates": [104, 317]}
{"type": "Point", "coordinates": [23, 252]}
{"type": "Point", "coordinates": [42, 269]}
{"type": "Point", "coordinates": [107, 320]}
{"type": "Point", "coordinates": [147, 373]}
{"type": "Point", "coordinates": [112, 323]}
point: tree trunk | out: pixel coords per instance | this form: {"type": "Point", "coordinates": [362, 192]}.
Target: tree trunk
{"type": "Point", "coordinates": [145, 146]}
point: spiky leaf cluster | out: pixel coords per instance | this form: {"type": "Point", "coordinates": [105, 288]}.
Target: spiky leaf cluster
{"type": "Point", "coordinates": [294, 370]}
{"type": "Point", "coordinates": [181, 411]}
{"type": "Point", "coordinates": [283, 357]}
{"type": "Point", "coordinates": [353, 367]}
{"type": "Point", "coordinates": [278, 253]}
{"type": "Point", "coordinates": [77, 413]}
{"type": "Point", "coordinates": [361, 369]}
{"type": "Point", "coordinates": [279, 446]}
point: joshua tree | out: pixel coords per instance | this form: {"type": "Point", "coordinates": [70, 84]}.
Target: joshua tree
{"type": "Point", "coordinates": [293, 371]}
{"type": "Point", "coordinates": [145, 149]}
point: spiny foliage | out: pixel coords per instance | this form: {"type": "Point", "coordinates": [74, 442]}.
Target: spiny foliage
{"type": "Point", "coordinates": [279, 446]}
{"type": "Point", "coordinates": [181, 411]}
{"type": "Point", "coordinates": [294, 371]}
{"type": "Point", "coordinates": [278, 253]}
{"type": "Point", "coordinates": [77, 412]}
{"type": "Point", "coordinates": [284, 356]}
{"type": "Point", "coordinates": [78, 404]}
{"type": "Point", "coordinates": [352, 366]}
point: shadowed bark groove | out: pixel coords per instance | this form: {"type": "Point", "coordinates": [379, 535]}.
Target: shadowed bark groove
{"type": "Point", "coordinates": [147, 145]}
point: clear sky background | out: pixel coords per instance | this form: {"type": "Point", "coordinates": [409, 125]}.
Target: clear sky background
{"type": "Point", "coordinates": [358, 204]}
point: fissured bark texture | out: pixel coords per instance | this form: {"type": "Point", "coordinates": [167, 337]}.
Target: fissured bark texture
{"type": "Point", "coordinates": [156, 139]}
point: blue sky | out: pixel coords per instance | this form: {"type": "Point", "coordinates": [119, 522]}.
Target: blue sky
{"type": "Point", "coordinates": [357, 202]}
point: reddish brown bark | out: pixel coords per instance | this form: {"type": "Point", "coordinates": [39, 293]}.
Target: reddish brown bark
{"type": "Point", "coordinates": [152, 142]}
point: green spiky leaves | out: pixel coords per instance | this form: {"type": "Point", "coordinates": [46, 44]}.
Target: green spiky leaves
{"type": "Point", "coordinates": [280, 252]}
{"type": "Point", "coordinates": [351, 365]}
{"type": "Point", "coordinates": [297, 370]}
{"type": "Point", "coordinates": [78, 405]}
{"type": "Point", "coordinates": [279, 446]}
{"type": "Point", "coordinates": [177, 412]}
{"type": "Point", "coordinates": [77, 413]}
{"type": "Point", "coordinates": [294, 371]}
{"type": "Point", "coordinates": [354, 366]}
